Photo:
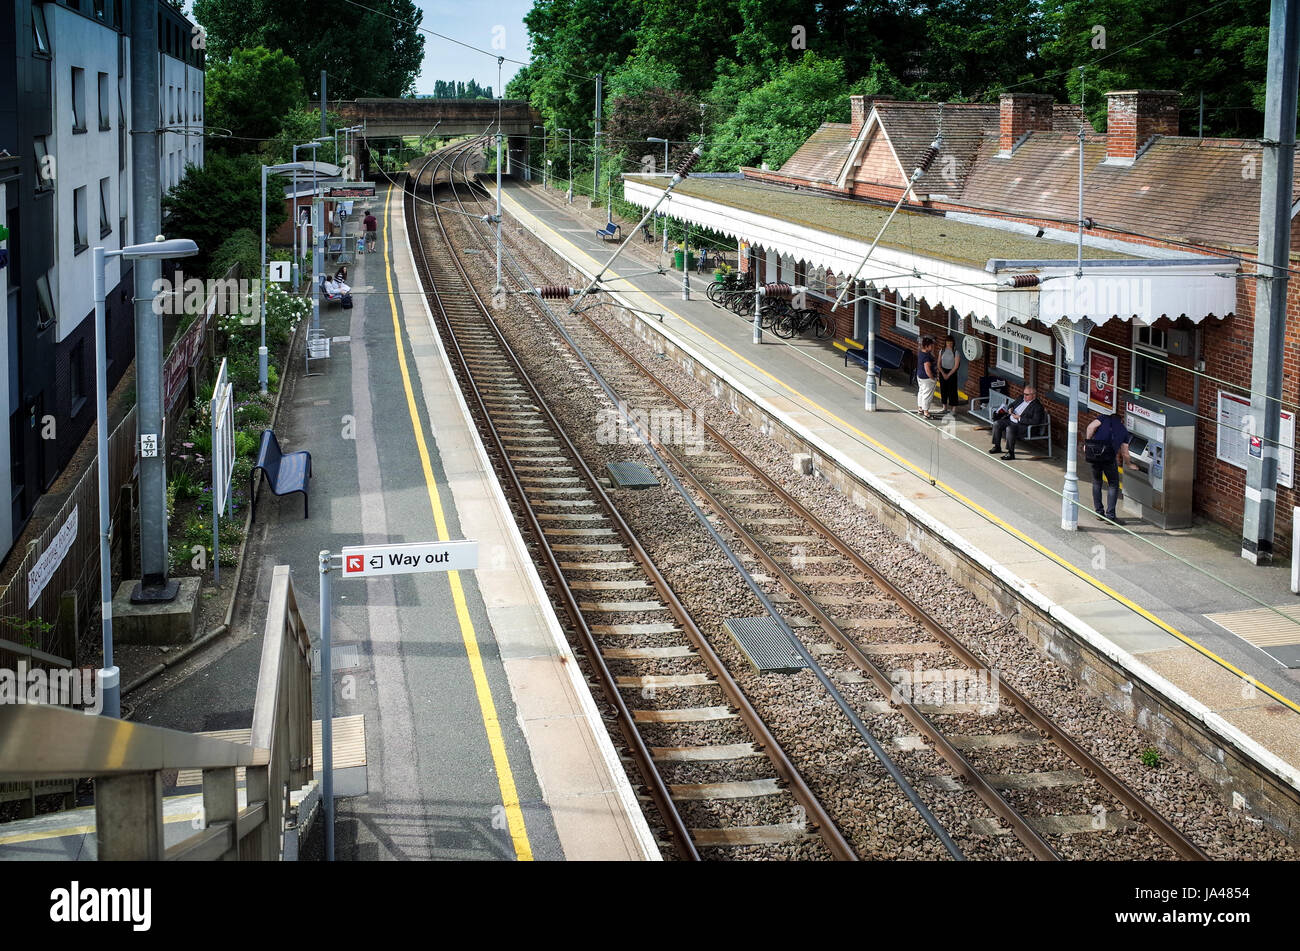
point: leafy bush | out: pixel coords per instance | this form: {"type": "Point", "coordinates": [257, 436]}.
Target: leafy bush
{"type": "Point", "coordinates": [245, 444]}
{"type": "Point", "coordinates": [240, 248]}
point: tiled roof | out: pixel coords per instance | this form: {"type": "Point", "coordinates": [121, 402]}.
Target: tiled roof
{"type": "Point", "coordinates": [1203, 191]}
{"type": "Point", "coordinates": [911, 127]}
{"type": "Point", "coordinates": [821, 157]}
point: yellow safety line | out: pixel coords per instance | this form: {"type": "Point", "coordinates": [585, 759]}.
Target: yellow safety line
{"type": "Point", "coordinates": [970, 503]}
{"type": "Point", "coordinates": [505, 778]}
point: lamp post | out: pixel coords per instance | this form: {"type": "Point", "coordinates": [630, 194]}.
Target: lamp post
{"type": "Point", "coordinates": [308, 145]}
{"type": "Point", "coordinates": [108, 675]}
{"type": "Point", "coordinates": [655, 138]}
{"type": "Point", "coordinates": [317, 245]}
{"type": "Point", "coordinates": [294, 167]}
{"type": "Point", "coordinates": [569, 194]}
{"type": "Point", "coordinates": [1072, 338]}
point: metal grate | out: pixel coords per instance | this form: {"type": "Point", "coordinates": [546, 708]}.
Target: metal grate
{"type": "Point", "coordinates": [342, 657]}
{"type": "Point", "coordinates": [631, 475]}
{"type": "Point", "coordinates": [768, 647]}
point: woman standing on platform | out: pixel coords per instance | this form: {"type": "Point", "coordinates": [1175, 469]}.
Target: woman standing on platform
{"type": "Point", "coordinates": [949, 364]}
{"type": "Point", "coordinates": [926, 377]}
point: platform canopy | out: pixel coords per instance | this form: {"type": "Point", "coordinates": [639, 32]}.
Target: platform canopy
{"type": "Point", "coordinates": [947, 262]}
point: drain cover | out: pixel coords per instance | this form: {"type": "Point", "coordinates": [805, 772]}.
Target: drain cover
{"type": "Point", "coordinates": [768, 647]}
{"type": "Point", "coordinates": [342, 657]}
{"type": "Point", "coordinates": [631, 475]}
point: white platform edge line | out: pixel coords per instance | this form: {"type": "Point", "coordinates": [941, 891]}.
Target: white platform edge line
{"type": "Point", "coordinates": [1283, 770]}
{"type": "Point", "coordinates": [622, 786]}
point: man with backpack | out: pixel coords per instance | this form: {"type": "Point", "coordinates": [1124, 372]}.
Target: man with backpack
{"type": "Point", "coordinates": [1106, 447]}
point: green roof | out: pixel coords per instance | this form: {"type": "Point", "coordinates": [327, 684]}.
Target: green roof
{"type": "Point", "coordinates": [933, 236]}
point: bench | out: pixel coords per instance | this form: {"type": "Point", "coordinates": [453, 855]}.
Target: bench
{"type": "Point", "coordinates": [610, 230]}
{"type": "Point", "coordinates": [889, 356]}
{"type": "Point", "coordinates": [286, 472]}
{"type": "Point", "coordinates": [325, 295]}
{"type": "Point", "coordinates": [985, 409]}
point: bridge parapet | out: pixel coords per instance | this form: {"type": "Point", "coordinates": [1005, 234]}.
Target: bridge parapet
{"type": "Point", "coordinates": [395, 117]}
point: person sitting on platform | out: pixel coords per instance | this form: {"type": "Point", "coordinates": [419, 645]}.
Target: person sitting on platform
{"type": "Point", "coordinates": [337, 287]}
{"type": "Point", "coordinates": [1015, 421]}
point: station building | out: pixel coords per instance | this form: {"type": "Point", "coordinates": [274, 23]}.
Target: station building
{"type": "Point", "coordinates": [1170, 231]}
{"type": "Point", "coordinates": [68, 127]}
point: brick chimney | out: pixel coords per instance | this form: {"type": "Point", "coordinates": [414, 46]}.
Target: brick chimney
{"type": "Point", "coordinates": [860, 108]}
{"type": "Point", "coordinates": [1133, 117]}
{"type": "Point", "coordinates": [1022, 112]}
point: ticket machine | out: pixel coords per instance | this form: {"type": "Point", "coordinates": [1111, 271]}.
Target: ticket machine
{"type": "Point", "coordinates": [1162, 453]}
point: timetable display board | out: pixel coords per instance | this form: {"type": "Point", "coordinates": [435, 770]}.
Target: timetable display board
{"type": "Point", "coordinates": [1235, 444]}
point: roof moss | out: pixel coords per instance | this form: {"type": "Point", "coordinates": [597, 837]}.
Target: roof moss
{"type": "Point", "coordinates": [931, 235]}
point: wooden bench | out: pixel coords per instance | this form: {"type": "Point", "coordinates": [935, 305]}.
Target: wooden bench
{"type": "Point", "coordinates": [985, 409]}
{"type": "Point", "coordinates": [610, 230]}
{"type": "Point", "coordinates": [286, 472]}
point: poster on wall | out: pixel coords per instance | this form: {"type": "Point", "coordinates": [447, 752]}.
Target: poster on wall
{"type": "Point", "coordinates": [1103, 368]}
{"type": "Point", "coordinates": [1235, 443]}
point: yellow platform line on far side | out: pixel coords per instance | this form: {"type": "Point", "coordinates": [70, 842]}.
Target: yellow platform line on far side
{"type": "Point", "coordinates": [487, 707]}
{"type": "Point", "coordinates": [951, 491]}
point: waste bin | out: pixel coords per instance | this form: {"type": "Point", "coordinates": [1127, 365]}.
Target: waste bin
{"type": "Point", "coordinates": [991, 384]}
{"type": "Point", "coordinates": [677, 260]}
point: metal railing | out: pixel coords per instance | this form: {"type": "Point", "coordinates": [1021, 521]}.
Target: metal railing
{"type": "Point", "coordinates": [127, 759]}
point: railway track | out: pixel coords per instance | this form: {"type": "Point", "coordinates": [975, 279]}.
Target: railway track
{"type": "Point", "coordinates": [1035, 782]}
{"type": "Point", "coordinates": [640, 642]}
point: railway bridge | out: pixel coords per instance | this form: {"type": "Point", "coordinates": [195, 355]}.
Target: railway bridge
{"type": "Point", "coordinates": [391, 118]}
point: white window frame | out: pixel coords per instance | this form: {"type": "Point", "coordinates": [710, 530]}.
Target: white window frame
{"type": "Point", "coordinates": [105, 105]}
{"type": "Point", "coordinates": [1062, 389]}
{"type": "Point", "coordinates": [907, 316]}
{"type": "Point", "coordinates": [1010, 357]}
{"type": "Point", "coordinates": [40, 33]}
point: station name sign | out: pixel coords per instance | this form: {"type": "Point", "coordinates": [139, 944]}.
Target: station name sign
{"type": "Point", "coordinates": [365, 561]}
{"type": "Point", "coordinates": [351, 190]}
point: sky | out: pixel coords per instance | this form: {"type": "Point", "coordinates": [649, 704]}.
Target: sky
{"type": "Point", "coordinates": [477, 23]}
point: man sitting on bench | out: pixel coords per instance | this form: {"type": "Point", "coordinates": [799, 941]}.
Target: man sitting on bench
{"type": "Point", "coordinates": [1016, 420]}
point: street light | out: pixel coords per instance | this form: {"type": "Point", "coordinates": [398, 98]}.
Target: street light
{"type": "Point", "coordinates": [294, 167]}
{"type": "Point", "coordinates": [569, 195]}
{"type": "Point", "coordinates": [308, 145]}
{"type": "Point", "coordinates": [655, 138]}
{"type": "Point", "coordinates": [108, 675]}
{"type": "Point", "coordinates": [317, 243]}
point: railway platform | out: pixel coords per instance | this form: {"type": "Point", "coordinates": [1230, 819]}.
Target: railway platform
{"type": "Point", "coordinates": [464, 729]}
{"type": "Point", "coordinates": [1178, 611]}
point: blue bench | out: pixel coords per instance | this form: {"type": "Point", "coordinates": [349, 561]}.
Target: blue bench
{"type": "Point", "coordinates": [610, 230]}
{"type": "Point", "coordinates": [889, 356]}
{"type": "Point", "coordinates": [286, 472]}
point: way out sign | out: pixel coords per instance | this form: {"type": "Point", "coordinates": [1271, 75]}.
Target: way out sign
{"type": "Point", "coordinates": [365, 561]}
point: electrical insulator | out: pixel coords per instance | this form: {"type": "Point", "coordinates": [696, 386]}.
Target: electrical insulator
{"type": "Point", "coordinates": [776, 290]}
{"type": "Point", "coordinates": [1025, 280]}
{"type": "Point", "coordinates": [688, 163]}
{"type": "Point", "coordinates": [554, 292]}
{"type": "Point", "coordinates": [927, 159]}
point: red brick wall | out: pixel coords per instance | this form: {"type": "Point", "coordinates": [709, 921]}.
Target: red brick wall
{"type": "Point", "coordinates": [1021, 113]}
{"type": "Point", "coordinates": [1134, 116]}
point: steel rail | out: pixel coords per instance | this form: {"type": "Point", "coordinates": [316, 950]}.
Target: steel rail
{"type": "Point", "coordinates": [1172, 837]}
{"type": "Point", "coordinates": [817, 817]}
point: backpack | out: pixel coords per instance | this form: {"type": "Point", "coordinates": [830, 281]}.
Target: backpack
{"type": "Point", "coordinates": [1099, 451]}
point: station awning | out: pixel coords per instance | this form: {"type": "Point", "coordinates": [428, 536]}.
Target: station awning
{"type": "Point", "coordinates": [947, 262]}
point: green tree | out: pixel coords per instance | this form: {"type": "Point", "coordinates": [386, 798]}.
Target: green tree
{"type": "Point", "coordinates": [212, 203]}
{"type": "Point", "coordinates": [770, 121]}
{"type": "Point", "coordinates": [373, 49]}
{"type": "Point", "coordinates": [249, 95]}
{"type": "Point", "coordinates": [1223, 55]}
{"type": "Point", "coordinates": [299, 126]}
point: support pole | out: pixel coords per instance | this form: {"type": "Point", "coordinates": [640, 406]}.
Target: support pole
{"type": "Point", "coordinates": [317, 258]}
{"type": "Point", "coordinates": [1072, 338]}
{"type": "Point", "coordinates": [686, 264]}
{"type": "Point", "coordinates": [154, 585]}
{"type": "Point", "coordinates": [109, 676]}
{"type": "Point", "coordinates": [1271, 278]}
{"type": "Point", "coordinates": [595, 139]}
{"type": "Point", "coordinates": [326, 706]}
{"type": "Point", "coordinates": [496, 288]}
{"type": "Point", "coordinates": [758, 306]}
{"type": "Point", "coordinates": [261, 350]}
{"type": "Point", "coordinates": [873, 312]}
{"type": "Point", "coordinates": [324, 131]}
